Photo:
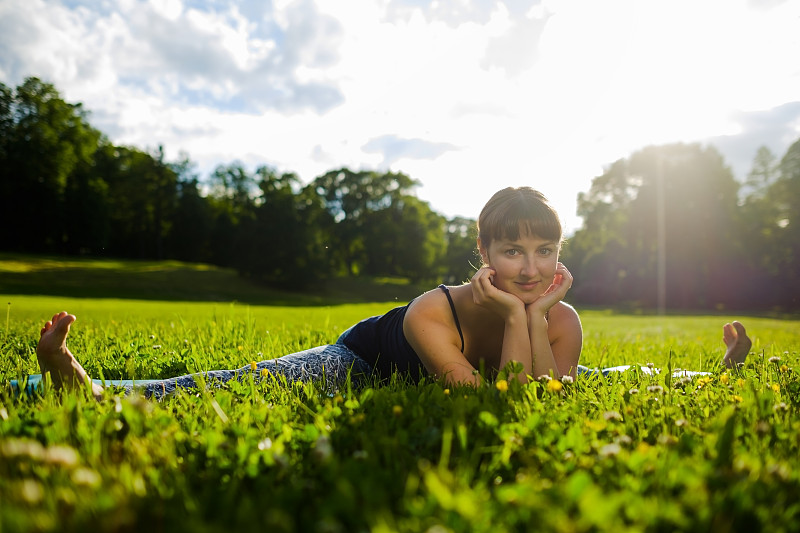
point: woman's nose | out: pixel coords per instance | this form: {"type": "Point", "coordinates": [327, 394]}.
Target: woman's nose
{"type": "Point", "coordinates": [529, 267]}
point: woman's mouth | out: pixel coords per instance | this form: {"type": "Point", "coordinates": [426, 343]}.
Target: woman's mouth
{"type": "Point", "coordinates": [527, 285]}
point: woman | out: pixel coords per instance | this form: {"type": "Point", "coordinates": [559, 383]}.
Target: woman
{"type": "Point", "coordinates": [511, 311]}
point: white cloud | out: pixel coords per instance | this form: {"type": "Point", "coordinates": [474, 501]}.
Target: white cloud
{"type": "Point", "coordinates": [451, 12]}
{"type": "Point", "coordinates": [394, 148]}
{"type": "Point", "coordinates": [517, 47]}
{"type": "Point", "coordinates": [169, 9]}
{"type": "Point", "coordinates": [183, 56]}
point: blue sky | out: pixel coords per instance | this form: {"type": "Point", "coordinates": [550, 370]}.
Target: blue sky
{"type": "Point", "coordinates": [464, 96]}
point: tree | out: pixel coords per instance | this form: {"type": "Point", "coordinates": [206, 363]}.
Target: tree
{"type": "Point", "coordinates": [596, 254]}
{"type": "Point", "coordinates": [785, 197]}
{"type": "Point", "coordinates": [405, 238]}
{"type": "Point", "coordinates": [272, 239]}
{"type": "Point", "coordinates": [422, 240]}
{"type": "Point", "coordinates": [9, 186]}
{"type": "Point", "coordinates": [763, 174]}
{"type": "Point", "coordinates": [461, 259]}
{"type": "Point", "coordinates": [6, 121]}
{"type": "Point", "coordinates": [759, 219]}
{"type": "Point", "coordinates": [672, 208]}
{"type": "Point", "coordinates": [350, 197]}
{"type": "Point", "coordinates": [235, 189]}
{"type": "Point", "coordinates": [283, 242]}
{"type": "Point", "coordinates": [45, 141]}
{"type": "Point", "coordinates": [142, 194]}
{"type": "Point", "coordinates": [233, 192]}
{"type": "Point", "coordinates": [191, 227]}
{"type": "Point", "coordinates": [86, 211]}
{"type": "Point", "coordinates": [769, 227]}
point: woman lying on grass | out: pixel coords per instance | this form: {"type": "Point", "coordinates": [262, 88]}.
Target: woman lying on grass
{"type": "Point", "coordinates": [511, 311]}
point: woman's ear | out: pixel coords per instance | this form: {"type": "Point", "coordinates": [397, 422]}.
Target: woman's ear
{"type": "Point", "coordinates": [484, 253]}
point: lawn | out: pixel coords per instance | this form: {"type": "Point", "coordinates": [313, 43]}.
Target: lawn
{"type": "Point", "coordinates": [627, 453]}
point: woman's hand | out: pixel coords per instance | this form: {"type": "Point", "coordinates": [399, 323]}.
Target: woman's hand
{"type": "Point", "coordinates": [562, 281]}
{"type": "Point", "coordinates": [486, 295]}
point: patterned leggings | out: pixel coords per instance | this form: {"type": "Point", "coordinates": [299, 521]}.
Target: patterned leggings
{"type": "Point", "coordinates": [331, 364]}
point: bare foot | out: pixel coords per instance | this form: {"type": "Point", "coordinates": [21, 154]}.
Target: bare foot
{"type": "Point", "coordinates": [54, 356]}
{"type": "Point", "coordinates": [738, 344]}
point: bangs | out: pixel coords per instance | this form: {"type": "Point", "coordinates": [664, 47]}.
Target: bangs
{"type": "Point", "coordinates": [520, 215]}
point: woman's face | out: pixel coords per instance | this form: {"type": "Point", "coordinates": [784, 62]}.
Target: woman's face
{"type": "Point", "coordinates": [524, 267]}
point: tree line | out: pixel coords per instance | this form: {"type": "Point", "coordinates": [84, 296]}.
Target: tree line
{"type": "Point", "coordinates": [667, 227]}
{"type": "Point", "coordinates": [67, 189]}
{"type": "Point", "coordinates": [670, 227]}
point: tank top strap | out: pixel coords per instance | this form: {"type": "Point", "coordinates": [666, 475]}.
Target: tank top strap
{"type": "Point", "coordinates": [455, 315]}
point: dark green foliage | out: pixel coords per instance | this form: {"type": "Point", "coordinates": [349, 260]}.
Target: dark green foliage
{"type": "Point", "coordinates": [46, 148]}
{"type": "Point", "coordinates": [66, 189]}
{"type": "Point", "coordinates": [380, 227]}
{"type": "Point", "coordinates": [462, 258]}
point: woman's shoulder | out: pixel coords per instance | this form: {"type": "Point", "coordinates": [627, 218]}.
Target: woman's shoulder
{"type": "Point", "coordinates": [429, 303]}
{"type": "Point", "coordinates": [436, 303]}
{"type": "Point", "coordinates": [429, 320]}
{"type": "Point", "coordinates": [562, 308]}
{"type": "Point", "coordinates": [564, 317]}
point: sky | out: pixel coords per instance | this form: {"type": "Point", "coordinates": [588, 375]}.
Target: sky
{"type": "Point", "coordinates": [464, 96]}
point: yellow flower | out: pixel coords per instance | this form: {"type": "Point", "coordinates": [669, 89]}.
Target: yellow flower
{"type": "Point", "coordinates": [724, 379]}
{"type": "Point", "coordinates": [776, 388]}
{"type": "Point", "coordinates": [737, 398]}
{"type": "Point", "coordinates": [554, 385]}
{"type": "Point", "coordinates": [447, 392]}
{"type": "Point", "coordinates": [502, 385]}
{"type": "Point", "coordinates": [240, 348]}
{"type": "Point", "coordinates": [703, 381]}
{"type": "Point", "coordinates": [264, 372]}
{"type": "Point", "coordinates": [253, 366]}
{"type": "Point", "coordinates": [397, 410]}
{"type": "Point", "coordinates": [784, 368]}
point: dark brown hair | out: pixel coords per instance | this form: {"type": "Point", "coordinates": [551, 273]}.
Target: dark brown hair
{"type": "Point", "coordinates": [514, 210]}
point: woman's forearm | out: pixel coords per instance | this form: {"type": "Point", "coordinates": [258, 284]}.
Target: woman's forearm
{"type": "Point", "coordinates": [517, 345]}
{"type": "Point", "coordinates": [544, 364]}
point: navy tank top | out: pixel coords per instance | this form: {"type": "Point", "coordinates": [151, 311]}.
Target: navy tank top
{"type": "Point", "coordinates": [381, 342]}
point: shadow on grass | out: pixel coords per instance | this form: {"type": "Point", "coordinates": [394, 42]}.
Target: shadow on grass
{"type": "Point", "coordinates": [177, 281]}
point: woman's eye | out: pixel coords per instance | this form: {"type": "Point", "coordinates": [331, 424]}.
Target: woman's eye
{"type": "Point", "coordinates": [512, 251]}
{"type": "Point", "coordinates": [545, 251]}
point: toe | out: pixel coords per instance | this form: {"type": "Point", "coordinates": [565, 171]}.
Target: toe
{"type": "Point", "coordinates": [66, 320]}
{"type": "Point", "coordinates": [739, 327]}
{"type": "Point", "coordinates": [728, 333]}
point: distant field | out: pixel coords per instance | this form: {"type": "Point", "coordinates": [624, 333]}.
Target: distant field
{"type": "Point", "coordinates": [175, 281]}
{"type": "Point", "coordinates": [628, 453]}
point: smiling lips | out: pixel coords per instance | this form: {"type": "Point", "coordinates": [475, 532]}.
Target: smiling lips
{"type": "Point", "coordinates": [530, 285]}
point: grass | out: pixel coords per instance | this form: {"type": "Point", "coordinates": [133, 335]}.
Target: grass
{"type": "Point", "coordinates": [88, 278]}
{"type": "Point", "coordinates": [629, 453]}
